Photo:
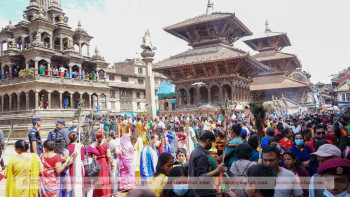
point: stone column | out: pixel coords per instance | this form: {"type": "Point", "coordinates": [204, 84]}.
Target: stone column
{"type": "Point", "coordinates": [88, 50]}
{"type": "Point", "coordinates": [51, 44]}
{"type": "Point", "coordinates": [147, 56]}
{"type": "Point", "coordinates": [36, 67]}
{"type": "Point", "coordinates": [70, 71]}
{"type": "Point", "coordinates": [221, 95]}
{"type": "Point", "coordinates": [177, 97]}
{"type": "Point", "coordinates": [18, 101]}
{"type": "Point", "coordinates": [3, 72]}
{"type": "Point", "coordinates": [60, 100]}
{"type": "Point", "coordinates": [209, 95]}
{"type": "Point", "coordinates": [2, 103]}
{"type": "Point", "coordinates": [10, 102]}
{"type": "Point", "coordinates": [27, 100]}
{"type": "Point", "coordinates": [198, 96]}
{"type": "Point", "coordinates": [1, 49]}
{"type": "Point", "coordinates": [80, 51]}
{"type": "Point", "coordinates": [61, 44]}
{"type": "Point", "coordinates": [23, 40]}
{"type": "Point", "coordinates": [79, 73]}
{"type": "Point", "coordinates": [233, 93]}
{"type": "Point", "coordinates": [188, 97]}
{"type": "Point", "coordinates": [106, 102]}
{"type": "Point", "coordinates": [49, 68]}
{"type": "Point", "coordinates": [27, 66]}
{"type": "Point", "coordinates": [49, 99]}
{"type": "Point", "coordinates": [36, 100]}
{"type": "Point", "coordinates": [10, 70]}
{"type": "Point", "coordinates": [89, 101]}
{"type": "Point", "coordinates": [71, 101]}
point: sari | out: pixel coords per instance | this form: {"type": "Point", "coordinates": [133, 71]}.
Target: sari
{"type": "Point", "coordinates": [49, 183]}
{"type": "Point", "coordinates": [127, 173]}
{"type": "Point", "coordinates": [23, 170]}
{"type": "Point", "coordinates": [77, 174]}
{"type": "Point", "coordinates": [138, 146]}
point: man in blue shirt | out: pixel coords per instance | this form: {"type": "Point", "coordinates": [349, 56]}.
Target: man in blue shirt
{"type": "Point", "coordinates": [34, 137]}
{"type": "Point", "coordinates": [230, 152]}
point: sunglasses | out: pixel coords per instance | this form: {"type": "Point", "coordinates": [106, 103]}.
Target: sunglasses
{"type": "Point", "coordinates": [320, 133]}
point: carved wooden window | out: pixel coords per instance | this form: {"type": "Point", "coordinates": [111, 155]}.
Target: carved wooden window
{"type": "Point", "coordinates": [111, 78]}
{"type": "Point", "coordinates": [125, 79]}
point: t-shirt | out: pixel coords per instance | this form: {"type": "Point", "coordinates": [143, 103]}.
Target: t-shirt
{"type": "Point", "coordinates": [230, 152]}
{"type": "Point", "coordinates": [265, 141]}
{"type": "Point", "coordinates": [220, 144]}
{"type": "Point", "coordinates": [62, 69]}
{"type": "Point", "coordinates": [303, 154]}
{"type": "Point", "coordinates": [287, 190]}
{"type": "Point", "coordinates": [255, 156]}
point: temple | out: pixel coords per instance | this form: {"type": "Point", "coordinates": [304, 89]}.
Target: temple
{"type": "Point", "coordinates": [285, 80]}
{"type": "Point", "coordinates": [46, 67]}
{"type": "Point", "coordinates": [213, 71]}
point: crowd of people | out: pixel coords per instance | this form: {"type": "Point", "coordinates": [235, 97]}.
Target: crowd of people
{"type": "Point", "coordinates": [59, 71]}
{"type": "Point", "coordinates": [186, 156]}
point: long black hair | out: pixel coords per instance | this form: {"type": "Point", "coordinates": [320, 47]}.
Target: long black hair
{"type": "Point", "coordinates": [162, 159]}
{"type": "Point", "coordinates": [297, 162]}
{"type": "Point", "coordinates": [22, 146]}
{"type": "Point", "coordinates": [176, 172]}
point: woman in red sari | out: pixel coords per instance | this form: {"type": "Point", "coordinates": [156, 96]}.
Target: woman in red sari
{"type": "Point", "coordinates": [77, 151]}
{"type": "Point", "coordinates": [49, 182]}
{"type": "Point", "coordinates": [104, 184]}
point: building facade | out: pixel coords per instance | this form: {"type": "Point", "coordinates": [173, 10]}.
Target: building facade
{"type": "Point", "coordinates": [46, 67]}
{"type": "Point", "coordinates": [341, 88]}
{"type": "Point", "coordinates": [127, 87]}
{"type": "Point", "coordinates": [213, 71]}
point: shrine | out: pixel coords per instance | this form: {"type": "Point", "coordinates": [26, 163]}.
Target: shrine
{"type": "Point", "coordinates": [285, 81]}
{"type": "Point", "coordinates": [213, 71]}
{"type": "Point", "coordinates": [47, 68]}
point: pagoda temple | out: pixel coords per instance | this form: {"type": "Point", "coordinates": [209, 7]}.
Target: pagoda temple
{"type": "Point", "coordinates": [213, 71]}
{"type": "Point", "coordinates": [30, 53]}
{"type": "Point", "coordinates": [284, 80]}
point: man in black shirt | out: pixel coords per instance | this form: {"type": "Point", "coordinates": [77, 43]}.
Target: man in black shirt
{"type": "Point", "coordinates": [200, 168]}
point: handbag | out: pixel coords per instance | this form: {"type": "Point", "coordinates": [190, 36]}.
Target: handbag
{"type": "Point", "coordinates": [93, 168]}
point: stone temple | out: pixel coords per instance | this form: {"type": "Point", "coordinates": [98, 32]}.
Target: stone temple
{"type": "Point", "coordinates": [46, 68]}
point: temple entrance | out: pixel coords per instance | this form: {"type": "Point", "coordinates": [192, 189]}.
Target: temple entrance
{"type": "Point", "coordinates": [55, 100]}
{"type": "Point", "coordinates": [66, 100]}
{"type": "Point", "coordinates": [227, 93]}
{"type": "Point", "coordinates": [203, 91]}
{"type": "Point", "coordinates": [6, 103]}
{"type": "Point", "coordinates": [43, 99]}
{"type": "Point", "coordinates": [193, 95]}
{"type": "Point", "coordinates": [76, 100]}
{"type": "Point", "coordinates": [93, 100]}
{"type": "Point", "coordinates": [31, 99]}
{"type": "Point", "coordinates": [23, 101]}
{"type": "Point", "coordinates": [86, 100]}
{"type": "Point", "coordinates": [14, 103]}
{"type": "Point", "coordinates": [183, 97]}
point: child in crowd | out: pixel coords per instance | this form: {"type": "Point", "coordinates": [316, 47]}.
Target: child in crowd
{"type": "Point", "coordinates": [220, 142]}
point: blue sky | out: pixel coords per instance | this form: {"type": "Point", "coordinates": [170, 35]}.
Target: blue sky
{"type": "Point", "coordinates": [318, 29]}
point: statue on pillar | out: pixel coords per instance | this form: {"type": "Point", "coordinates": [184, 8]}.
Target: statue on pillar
{"type": "Point", "coordinates": [146, 42]}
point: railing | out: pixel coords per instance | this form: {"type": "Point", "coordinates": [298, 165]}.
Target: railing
{"type": "Point", "coordinates": [51, 79]}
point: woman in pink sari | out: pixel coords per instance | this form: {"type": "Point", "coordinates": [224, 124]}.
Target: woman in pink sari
{"type": "Point", "coordinates": [49, 182]}
{"type": "Point", "coordinates": [126, 167]}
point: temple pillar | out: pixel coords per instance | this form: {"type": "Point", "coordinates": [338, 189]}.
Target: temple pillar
{"type": "Point", "coordinates": [10, 70]}
{"type": "Point", "coordinates": [61, 44]}
{"type": "Point", "coordinates": [49, 100]}
{"type": "Point", "coordinates": [89, 101]}
{"type": "Point", "coordinates": [1, 49]}
{"type": "Point", "coordinates": [209, 96]}
{"type": "Point", "coordinates": [2, 72]}
{"type": "Point", "coordinates": [51, 45]}
{"type": "Point", "coordinates": [18, 101]}
{"type": "Point", "coordinates": [80, 49]}
{"type": "Point", "coordinates": [36, 67]}
{"type": "Point", "coordinates": [70, 71]}
{"type": "Point", "coordinates": [79, 73]}
{"type": "Point", "coordinates": [71, 101]}
{"type": "Point", "coordinates": [10, 102]}
{"type": "Point", "coordinates": [23, 44]}
{"type": "Point", "coordinates": [60, 100]}
{"type": "Point", "coordinates": [2, 103]}
{"type": "Point", "coordinates": [36, 100]}
{"type": "Point", "coordinates": [233, 93]}
{"type": "Point", "coordinates": [88, 50]}
{"type": "Point", "coordinates": [221, 96]}
{"type": "Point", "coordinates": [27, 100]}
{"type": "Point", "coordinates": [177, 97]}
{"type": "Point", "coordinates": [49, 68]}
{"type": "Point", "coordinates": [27, 66]}
{"type": "Point", "coordinates": [188, 97]}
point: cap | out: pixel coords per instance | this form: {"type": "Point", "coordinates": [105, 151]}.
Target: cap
{"type": "Point", "coordinates": [61, 122]}
{"type": "Point", "coordinates": [34, 120]}
{"type": "Point", "coordinates": [328, 150]}
{"type": "Point", "coordinates": [336, 166]}
{"type": "Point", "coordinates": [244, 133]}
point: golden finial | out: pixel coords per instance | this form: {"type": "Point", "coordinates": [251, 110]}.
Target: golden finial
{"type": "Point", "coordinates": [267, 28]}
{"type": "Point", "coordinates": [209, 7]}
{"type": "Point", "coordinates": [40, 11]}
{"type": "Point", "coordinates": [96, 50]}
{"type": "Point", "coordinates": [13, 43]}
{"type": "Point", "coordinates": [61, 17]}
{"type": "Point", "coordinates": [79, 24]}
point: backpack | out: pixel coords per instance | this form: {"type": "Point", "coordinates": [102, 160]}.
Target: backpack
{"type": "Point", "coordinates": [59, 140]}
{"type": "Point", "coordinates": [159, 129]}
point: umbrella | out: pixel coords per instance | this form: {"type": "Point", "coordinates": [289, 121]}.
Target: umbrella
{"type": "Point", "coordinates": [239, 108]}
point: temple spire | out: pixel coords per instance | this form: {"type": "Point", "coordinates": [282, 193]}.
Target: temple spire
{"type": "Point", "coordinates": [209, 7]}
{"type": "Point", "coordinates": [267, 28]}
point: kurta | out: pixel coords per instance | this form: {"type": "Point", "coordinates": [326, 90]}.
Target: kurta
{"type": "Point", "coordinates": [104, 187]}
